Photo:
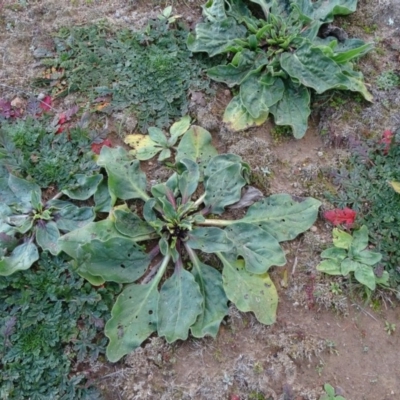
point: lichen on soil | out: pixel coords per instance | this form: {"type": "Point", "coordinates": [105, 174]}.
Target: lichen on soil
{"type": "Point", "coordinates": [321, 338]}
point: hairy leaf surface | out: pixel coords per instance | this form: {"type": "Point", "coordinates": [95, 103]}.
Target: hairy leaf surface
{"type": "Point", "coordinates": [134, 319]}
{"type": "Point", "coordinates": [179, 306]}
{"type": "Point", "coordinates": [250, 292]}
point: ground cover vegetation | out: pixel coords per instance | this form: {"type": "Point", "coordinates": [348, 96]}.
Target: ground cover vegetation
{"type": "Point", "coordinates": [51, 323]}
{"type": "Point", "coordinates": [149, 71]}
{"type": "Point", "coordinates": [276, 55]}
{"type": "Point", "coordinates": [364, 185]}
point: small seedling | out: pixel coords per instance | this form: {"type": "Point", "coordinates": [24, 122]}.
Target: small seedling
{"type": "Point", "coordinates": [390, 328]}
{"type": "Point", "coordinates": [335, 288]}
{"type": "Point", "coordinates": [330, 393]}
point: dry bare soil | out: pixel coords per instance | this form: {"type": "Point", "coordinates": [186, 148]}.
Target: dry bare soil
{"type": "Point", "coordinates": [318, 338]}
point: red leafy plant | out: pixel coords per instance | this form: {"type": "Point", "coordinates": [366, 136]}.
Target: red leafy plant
{"type": "Point", "coordinates": [386, 140]}
{"type": "Point", "coordinates": [96, 147]}
{"type": "Point", "coordinates": [7, 110]}
{"type": "Point", "coordinates": [338, 216]}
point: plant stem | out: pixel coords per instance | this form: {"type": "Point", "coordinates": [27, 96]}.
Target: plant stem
{"type": "Point", "coordinates": [216, 222]}
{"type": "Point", "coordinates": [160, 269]}
{"type": "Point", "coordinates": [57, 196]}
{"type": "Point", "coordinates": [200, 200]}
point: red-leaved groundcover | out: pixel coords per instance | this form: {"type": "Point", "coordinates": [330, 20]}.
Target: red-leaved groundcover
{"type": "Point", "coordinates": [339, 216]}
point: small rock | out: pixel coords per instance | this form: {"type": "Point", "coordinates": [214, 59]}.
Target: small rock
{"type": "Point", "coordinates": [320, 154]}
{"type": "Point", "coordinates": [314, 229]}
{"type": "Point", "coordinates": [339, 391]}
{"type": "Point", "coordinates": [17, 102]}
{"type": "Point", "coordinates": [41, 96]}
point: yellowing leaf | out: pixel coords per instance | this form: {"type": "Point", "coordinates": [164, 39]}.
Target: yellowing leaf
{"type": "Point", "coordinates": [143, 146]}
{"type": "Point", "coordinates": [238, 118]}
{"type": "Point", "coordinates": [395, 185]}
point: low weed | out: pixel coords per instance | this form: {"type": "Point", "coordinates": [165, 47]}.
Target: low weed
{"type": "Point", "coordinates": [50, 320]}
{"type": "Point", "coordinates": [364, 186]}
{"type": "Point", "coordinates": [387, 80]}
{"type": "Point", "coordinates": [150, 71]}
{"type": "Point", "coordinates": [32, 149]}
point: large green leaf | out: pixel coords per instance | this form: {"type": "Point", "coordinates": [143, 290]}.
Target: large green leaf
{"type": "Point", "coordinates": [293, 109]}
{"type": "Point", "coordinates": [179, 306]}
{"type": "Point", "coordinates": [7, 196]}
{"type": "Point", "coordinates": [259, 248]}
{"type": "Point", "coordinates": [22, 190]}
{"type": "Point", "coordinates": [47, 235]}
{"type": "Point", "coordinates": [133, 319]}
{"type": "Point", "coordinates": [365, 275]}
{"type": "Point", "coordinates": [214, 307]}
{"type": "Point", "coordinates": [196, 145]}
{"type": "Point", "coordinates": [72, 217]}
{"type": "Point", "coordinates": [102, 198]}
{"type": "Point", "coordinates": [259, 92]}
{"type": "Point", "coordinates": [325, 10]}
{"type": "Point", "coordinates": [188, 178]}
{"type": "Point", "coordinates": [249, 292]}
{"type": "Point", "coordinates": [238, 118]}
{"type": "Point", "coordinates": [209, 240]}
{"type": "Point", "coordinates": [224, 187]}
{"type": "Point", "coordinates": [178, 128]}
{"type": "Point", "coordinates": [341, 239]}
{"type": "Point", "coordinates": [103, 230]}
{"type": "Point", "coordinates": [368, 257]}
{"type": "Point", "coordinates": [129, 224]}
{"type": "Point", "coordinates": [215, 37]}
{"type": "Point", "coordinates": [21, 258]}
{"type": "Point", "coordinates": [283, 216]}
{"type": "Point", "coordinates": [330, 267]}
{"type": "Point", "coordinates": [348, 265]}
{"type": "Point", "coordinates": [312, 68]}
{"type": "Point", "coordinates": [85, 187]}
{"type": "Point", "coordinates": [236, 71]}
{"type": "Point", "coordinates": [342, 52]}
{"type": "Point", "coordinates": [125, 178]}
{"type": "Point", "coordinates": [355, 81]}
{"type": "Point", "coordinates": [214, 10]}
{"type": "Point", "coordinates": [334, 253]}
{"type": "Point", "coordinates": [360, 240]}
{"type": "Point", "coordinates": [117, 259]}
{"type": "Point", "coordinates": [221, 162]}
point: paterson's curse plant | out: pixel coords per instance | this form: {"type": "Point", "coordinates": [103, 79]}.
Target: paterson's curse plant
{"type": "Point", "coordinates": [170, 290]}
{"type": "Point", "coordinates": [277, 59]}
{"type": "Point", "coordinates": [27, 223]}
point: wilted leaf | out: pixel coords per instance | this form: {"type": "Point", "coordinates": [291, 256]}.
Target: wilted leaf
{"type": "Point", "coordinates": [395, 185]}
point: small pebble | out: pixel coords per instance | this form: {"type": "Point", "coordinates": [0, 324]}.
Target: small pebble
{"type": "Point", "coordinates": [41, 96]}
{"type": "Point", "coordinates": [320, 154]}
{"type": "Point", "coordinates": [314, 229]}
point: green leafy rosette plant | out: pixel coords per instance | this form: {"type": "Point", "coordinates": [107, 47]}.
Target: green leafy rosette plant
{"type": "Point", "coordinates": [154, 245]}
{"type": "Point", "coordinates": [350, 254]}
{"type": "Point", "coordinates": [27, 223]}
{"type": "Point", "coordinates": [276, 60]}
